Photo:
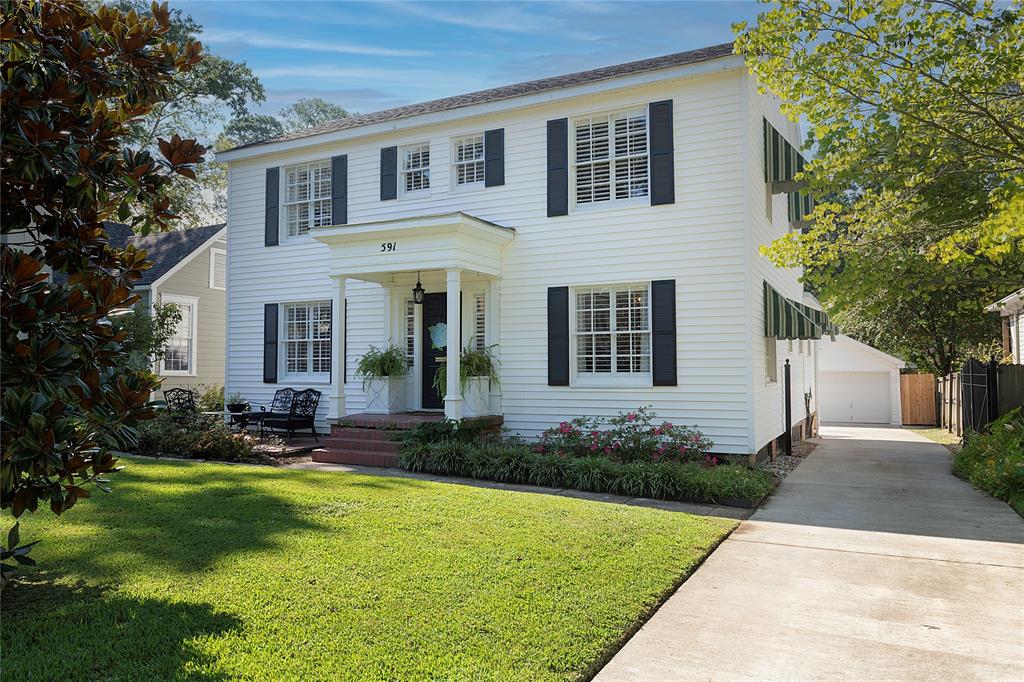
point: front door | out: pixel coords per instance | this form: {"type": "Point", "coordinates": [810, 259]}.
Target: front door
{"type": "Point", "coordinates": [435, 310]}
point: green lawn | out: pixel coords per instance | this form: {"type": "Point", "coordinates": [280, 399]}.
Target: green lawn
{"type": "Point", "coordinates": [939, 435]}
{"type": "Point", "coordinates": [207, 571]}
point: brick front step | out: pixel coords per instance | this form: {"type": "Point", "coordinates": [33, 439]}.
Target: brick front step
{"type": "Point", "coordinates": [358, 457]}
{"type": "Point", "coordinates": [346, 442]}
{"type": "Point", "coordinates": [362, 434]}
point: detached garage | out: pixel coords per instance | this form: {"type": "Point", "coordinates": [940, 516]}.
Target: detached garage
{"type": "Point", "coordinates": [857, 384]}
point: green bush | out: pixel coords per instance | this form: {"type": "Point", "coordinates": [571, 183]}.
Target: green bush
{"type": "Point", "coordinates": [513, 461]}
{"type": "Point", "coordinates": [994, 461]}
{"type": "Point", "coordinates": [211, 399]}
{"type": "Point", "coordinates": [197, 438]}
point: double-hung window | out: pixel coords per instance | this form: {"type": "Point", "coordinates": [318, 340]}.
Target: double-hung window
{"type": "Point", "coordinates": [415, 171]}
{"type": "Point", "coordinates": [180, 353]}
{"type": "Point", "coordinates": [612, 331]}
{"type": "Point", "coordinates": [609, 157]}
{"type": "Point", "coordinates": [468, 156]}
{"type": "Point", "coordinates": [771, 360]}
{"type": "Point", "coordinates": [307, 197]}
{"type": "Point", "coordinates": [307, 340]}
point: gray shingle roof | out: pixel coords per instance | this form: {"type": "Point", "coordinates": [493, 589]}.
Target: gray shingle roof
{"type": "Point", "coordinates": [165, 249]}
{"type": "Point", "coordinates": [508, 92]}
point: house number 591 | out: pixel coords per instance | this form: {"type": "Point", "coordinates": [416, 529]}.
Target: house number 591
{"type": "Point", "coordinates": [388, 247]}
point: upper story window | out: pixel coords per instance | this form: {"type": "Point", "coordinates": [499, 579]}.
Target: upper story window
{"type": "Point", "coordinates": [218, 269]}
{"type": "Point", "coordinates": [307, 197]}
{"type": "Point", "coordinates": [307, 340]}
{"type": "Point", "coordinates": [468, 165]}
{"type": "Point", "coordinates": [415, 159]}
{"type": "Point", "coordinates": [612, 331]}
{"type": "Point", "coordinates": [610, 156]}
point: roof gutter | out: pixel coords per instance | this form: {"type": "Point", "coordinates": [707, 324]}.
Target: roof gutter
{"type": "Point", "coordinates": [710, 66]}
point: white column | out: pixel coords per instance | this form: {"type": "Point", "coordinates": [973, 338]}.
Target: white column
{"type": "Point", "coordinates": [453, 390]}
{"type": "Point", "coordinates": [337, 407]}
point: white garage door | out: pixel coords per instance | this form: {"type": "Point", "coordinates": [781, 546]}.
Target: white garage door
{"type": "Point", "coordinates": [858, 397]}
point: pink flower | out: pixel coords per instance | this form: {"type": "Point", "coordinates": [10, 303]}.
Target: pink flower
{"type": "Point", "coordinates": [657, 431]}
{"type": "Point", "coordinates": [593, 448]}
{"type": "Point", "coordinates": [667, 425]}
{"type": "Point", "coordinates": [631, 416]}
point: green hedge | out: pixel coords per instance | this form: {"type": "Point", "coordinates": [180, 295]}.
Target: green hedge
{"type": "Point", "coordinates": [517, 462]}
{"type": "Point", "coordinates": [994, 461]}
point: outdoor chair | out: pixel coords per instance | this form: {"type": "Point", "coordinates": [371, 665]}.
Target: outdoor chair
{"type": "Point", "coordinates": [181, 403]}
{"type": "Point", "coordinates": [301, 416]}
{"type": "Point", "coordinates": [280, 406]}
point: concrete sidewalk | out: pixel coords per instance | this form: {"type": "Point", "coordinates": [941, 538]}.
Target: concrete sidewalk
{"type": "Point", "coordinates": [871, 562]}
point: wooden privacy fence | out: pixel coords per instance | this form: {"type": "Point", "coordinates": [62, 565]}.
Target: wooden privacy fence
{"type": "Point", "coordinates": [978, 394]}
{"type": "Point", "coordinates": [917, 399]}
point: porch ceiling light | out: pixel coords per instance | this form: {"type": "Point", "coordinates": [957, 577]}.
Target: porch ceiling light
{"type": "Point", "coordinates": [417, 291]}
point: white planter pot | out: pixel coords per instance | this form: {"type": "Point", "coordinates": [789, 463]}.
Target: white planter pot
{"type": "Point", "coordinates": [476, 397]}
{"type": "Point", "coordinates": [385, 395]}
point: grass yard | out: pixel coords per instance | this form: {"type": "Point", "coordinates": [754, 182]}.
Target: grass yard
{"type": "Point", "coordinates": [214, 572]}
{"type": "Point", "coordinates": [939, 435]}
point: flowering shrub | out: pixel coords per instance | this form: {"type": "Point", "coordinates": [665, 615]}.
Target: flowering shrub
{"type": "Point", "coordinates": [629, 437]}
{"type": "Point", "coordinates": [198, 438]}
{"type": "Point", "coordinates": [994, 461]}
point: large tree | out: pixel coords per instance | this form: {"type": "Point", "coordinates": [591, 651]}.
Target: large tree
{"type": "Point", "coordinates": [76, 79]}
{"type": "Point", "coordinates": [311, 111]}
{"type": "Point", "coordinates": [916, 119]}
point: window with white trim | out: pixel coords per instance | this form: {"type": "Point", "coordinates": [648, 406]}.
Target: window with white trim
{"type": "Point", "coordinates": [612, 330]}
{"type": "Point", "coordinates": [307, 197]}
{"type": "Point", "coordinates": [218, 269]}
{"type": "Point", "coordinates": [771, 360]}
{"type": "Point", "coordinates": [468, 160]}
{"type": "Point", "coordinates": [307, 340]}
{"type": "Point", "coordinates": [609, 157]}
{"type": "Point", "coordinates": [180, 353]}
{"type": "Point", "coordinates": [410, 332]}
{"type": "Point", "coordinates": [415, 168]}
{"type": "Point", "coordinates": [479, 321]}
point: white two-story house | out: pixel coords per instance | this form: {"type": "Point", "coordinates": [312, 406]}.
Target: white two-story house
{"type": "Point", "coordinates": [599, 230]}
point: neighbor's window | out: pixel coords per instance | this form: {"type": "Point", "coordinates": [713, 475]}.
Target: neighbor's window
{"type": "Point", "coordinates": [612, 330]}
{"type": "Point", "coordinates": [307, 340]}
{"type": "Point", "coordinates": [610, 157]}
{"type": "Point", "coordinates": [218, 269]}
{"type": "Point", "coordinates": [307, 197]}
{"type": "Point", "coordinates": [415, 167]}
{"type": "Point", "coordinates": [179, 355]}
{"type": "Point", "coordinates": [771, 362]}
{"type": "Point", "coordinates": [479, 321]}
{"type": "Point", "coordinates": [468, 155]}
{"type": "Point", "coordinates": [410, 332]}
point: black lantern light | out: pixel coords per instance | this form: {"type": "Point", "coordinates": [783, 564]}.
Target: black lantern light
{"type": "Point", "coordinates": [417, 291]}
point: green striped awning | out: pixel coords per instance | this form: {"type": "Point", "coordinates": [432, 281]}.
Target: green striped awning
{"type": "Point", "coordinates": [784, 318]}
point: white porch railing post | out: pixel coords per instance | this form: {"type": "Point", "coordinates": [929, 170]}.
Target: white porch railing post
{"type": "Point", "coordinates": [337, 407]}
{"type": "Point", "coordinates": [453, 388]}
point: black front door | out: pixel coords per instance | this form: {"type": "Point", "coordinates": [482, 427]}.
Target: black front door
{"type": "Point", "coordinates": [435, 309]}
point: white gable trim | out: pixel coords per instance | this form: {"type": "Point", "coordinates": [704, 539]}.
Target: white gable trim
{"type": "Point", "coordinates": [221, 234]}
{"type": "Point", "coordinates": [685, 71]}
{"type": "Point", "coordinates": [899, 363]}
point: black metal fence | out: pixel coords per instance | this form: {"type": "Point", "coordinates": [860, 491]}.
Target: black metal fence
{"type": "Point", "coordinates": [984, 391]}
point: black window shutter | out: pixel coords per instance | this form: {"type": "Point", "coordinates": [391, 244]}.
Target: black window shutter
{"type": "Point", "coordinates": [663, 181]}
{"type": "Point", "coordinates": [339, 190]}
{"type": "Point", "coordinates": [558, 336]}
{"type": "Point", "coordinates": [558, 167]}
{"type": "Point", "coordinates": [270, 343]}
{"type": "Point", "coordinates": [270, 234]}
{"type": "Point", "coordinates": [663, 326]}
{"type": "Point", "coordinates": [388, 173]}
{"type": "Point", "coordinates": [494, 157]}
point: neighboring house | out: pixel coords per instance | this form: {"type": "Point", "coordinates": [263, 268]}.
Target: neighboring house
{"type": "Point", "coordinates": [599, 230]}
{"type": "Point", "coordinates": [858, 383]}
{"type": "Point", "coordinates": [1011, 315]}
{"type": "Point", "coordinates": [190, 270]}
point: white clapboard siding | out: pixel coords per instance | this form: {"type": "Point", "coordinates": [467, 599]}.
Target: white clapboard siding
{"type": "Point", "coordinates": [703, 240]}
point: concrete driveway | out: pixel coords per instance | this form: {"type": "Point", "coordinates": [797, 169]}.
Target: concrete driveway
{"type": "Point", "coordinates": [871, 562]}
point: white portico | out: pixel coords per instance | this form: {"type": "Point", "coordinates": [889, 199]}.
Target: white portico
{"type": "Point", "coordinates": [451, 253]}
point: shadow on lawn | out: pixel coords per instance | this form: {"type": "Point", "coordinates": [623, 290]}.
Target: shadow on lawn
{"type": "Point", "coordinates": [54, 630]}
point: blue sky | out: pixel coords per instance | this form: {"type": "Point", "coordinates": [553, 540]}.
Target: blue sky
{"type": "Point", "coordinates": [367, 56]}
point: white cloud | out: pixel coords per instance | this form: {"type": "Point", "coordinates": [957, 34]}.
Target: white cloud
{"type": "Point", "coordinates": [273, 42]}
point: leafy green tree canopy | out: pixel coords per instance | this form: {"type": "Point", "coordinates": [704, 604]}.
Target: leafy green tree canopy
{"type": "Point", "coordinates": [311, 111]}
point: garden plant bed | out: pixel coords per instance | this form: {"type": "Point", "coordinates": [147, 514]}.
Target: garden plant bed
{"type": "Point", "coordinates": [212, 571]}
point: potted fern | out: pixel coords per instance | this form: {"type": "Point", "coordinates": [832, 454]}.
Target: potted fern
{"type": "Point", "coordinates": [477, 369]}
{"type": "Point", "coordinates": [383, 372]}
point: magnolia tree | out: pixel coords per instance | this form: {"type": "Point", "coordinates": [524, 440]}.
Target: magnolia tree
{"type": "Point", "coordinates": [75, 80]}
